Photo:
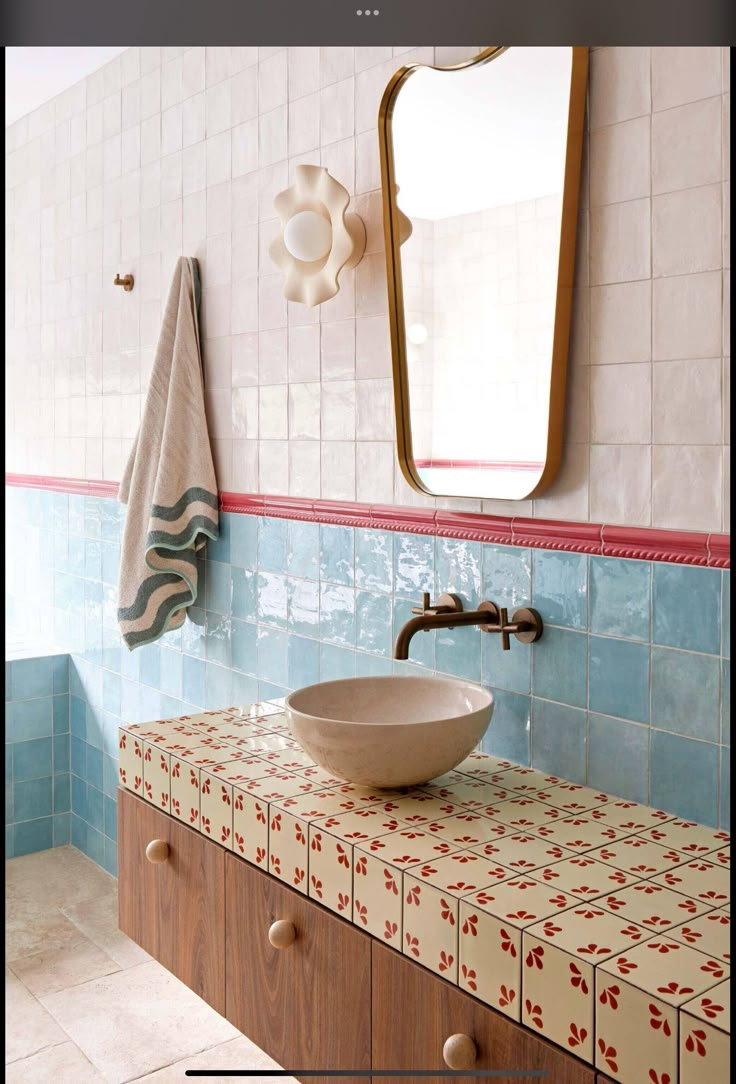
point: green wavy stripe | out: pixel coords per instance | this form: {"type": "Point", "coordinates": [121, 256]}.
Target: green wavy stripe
{"type": "Point", "coordinates": [158, 626]}
{"type": "Point", "coordinates": [168, 512]}
{"type": "Point", "coordinates": [185, 537]}
{"type": "Point", "coordinates": [151, 583]}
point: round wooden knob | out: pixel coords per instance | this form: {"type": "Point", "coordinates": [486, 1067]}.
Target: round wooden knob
{"type": "Point", "coordinates": [281, 934]}
{"type": "Point", "coordinates": [459, 1052]}
{"type": "Point", "coordinates": [157, 851]}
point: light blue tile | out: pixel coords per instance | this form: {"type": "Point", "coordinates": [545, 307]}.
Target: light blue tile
{"type": "Point", "coordinates": [245, 646]}
{"type": "Point", "coordinates": [110, 728]}
{"type": "Point", "coordinates": [618, 757]}
{"type": "Point", "coordinates": [76, 562]}
{"type": "Point", "coordinates": [337, 554]}
{"type": "Point", "coordinates": [374, 559]}
{"type": "Point", "coordinates": [302, 662]}
{"type": "Point", "coordinates": [509, 732]}
{"type": "Point", "coordinates": [110, 857]}
{"type": "Point", "coordinates": [61, 714]}
{"type": "Point", "coordinates": [272, 658]}
{"type": "Point", "coordinates": [219, 634]}
{"type": "Point", "coordinates": [76, 513]}
{"type": "Point", "coordinates": [8, 764]}
{"type": "Point", "coordinates": [94, 846]}
{"type": "Point", "coordinates": [93, 559]}
{"type": "Point", "coordinates": [724, 820]}
{"type": "Point", "coordinates": [92, 517]}
{"type": "Point", "coordinates": [95, 807]}
{"type": "Point", "coordinates": [33, 678]}
{"type": "Point", "coordinates": [171, 672]}
{"type": "Point", "coordinates": [620, 594]}
{"type": "Point", "coordinates": [150, 704]}
{"type": "Point", "coordinates": [302, 556]}
{"type": "Point", "coordinates": [112, 518]}
{"type": "Point", "coordinates": [129, 663]}
{"type": "Point", "coordinates": [79, 832]}
{"type": "Point", "coordinates": [218, 588]}
{"type": "Point", "coordinates": [560, 587]}
{"type": "Point", "coordinates": [78, 716]}
{"type": "Point", "coordinates": [457, 652]}
{"type": "Point", "coordinates": [110, 817]}
{"type": "Point", "coordinates": [79, 757]}
{"type": "Point", "coordinates": [8, 681]}
{"type": "Point", "coordinates": [243, 581]}
{"type": "Point", "coordinates": [130, 701]}
{"type": "Point", "coordinates": [62, 793]}
{"type": "Point", "coordinates": [219, 549]}
{"type": "Point", "coordinates": [272, 537]}
{"type": "Point", "coordinates": [373, 622]}
{"type": "Point", "coordinates": [619, 678]}
{"type": "Point", "coordinates": [372, 665]}
{"type": "Point", "coordinates": [61, 552]}
{"type": "Point", "coordinates": [684, 777]}
{"type": "Point", "coordinates": [422, 644]}
{"type": "Point", "coordinates": [337, 614]}
{"type": "Point", "coordinates": [94, 725]}
{"type": "Point", "coordinates": [111, 650]}
{"type": "Point", "coordinates": [244, 541]}
{"type": "Point", "coordinates": [267, 691]}
{"type": "Point", "coordinates": [413, 566]}
{"type": "Point", "coordinates": [193, 633]}
{"type": "Point", "coordinates": [511, 670]}
{"type": "Point", "coordinates": [726, 615]}
{"type": "Point", "coordinates": [458, 569]}
{"type": "Point", "coordinates": [218, 687]}
{"type": "Point", "coordinates": [685, 693]}
{"type": "Point", "coordinates": [272, 599]}
{"type": "Point", "coordinates": [245, 688]}
{"type": "Point", "coordinates": [9, 841]}
{"type": "Point", "coordinates": [62, 829]}
{"type": "Point", "coordinates": [9, 803]}
{"type": "Point", "coordinates": [335, 663]}
{"type": "Point", "coordinates": [559, 666]}
{"type": "Point", "coordinates": [559, 740]}
{"type": "Point", "coordinates": [30, 719]}
{"type": "Point", "coordinates": [303, 606]}
{"type": "Point", "coordinates": [507, 575]}
{"type": "Point", "coordinates": [110, 562]}
{"type": "Point", "coordinates": [32, 836]}
{"type": "Point", "coordinates": [32, 759]}
{"type": "Point", "coordinates": [109, 776]}
{"type": "Point", "coordinates": [150, 665]}
{"type": "Point", "coordinates": [111, 692]}
{"type": "Point", "coordinates": [686, 607]}
{"type": "Point", "coordinates": [726, 701]}
{"type": "Point", "coordinates": [193, 678]}
{"type": "Point", "coordinates": [61, 753]}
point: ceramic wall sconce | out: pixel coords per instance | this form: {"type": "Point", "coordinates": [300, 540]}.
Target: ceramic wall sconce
{"type": "Point", "coordinates": [318, 236]}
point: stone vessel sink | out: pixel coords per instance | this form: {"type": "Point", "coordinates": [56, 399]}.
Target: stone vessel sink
{"type": "Point", "coordinates": [389, 731]}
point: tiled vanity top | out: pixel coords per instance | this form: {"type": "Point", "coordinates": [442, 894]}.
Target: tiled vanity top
{"type": "Point", "coordinates": [602, 924]}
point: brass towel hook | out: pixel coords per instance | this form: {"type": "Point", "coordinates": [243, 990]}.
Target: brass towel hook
{"type": "Point", "coordinates": [126, 282]}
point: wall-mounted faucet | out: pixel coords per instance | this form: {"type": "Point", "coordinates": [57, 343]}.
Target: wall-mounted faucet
{"type": "Point", "coordinates": [447, 613]}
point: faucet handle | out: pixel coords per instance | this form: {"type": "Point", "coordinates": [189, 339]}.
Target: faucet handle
{"type": "Point", "coordinates": [421, 610]}
{"type": "Point", "coordinates": [445, 604]}
{"type": "Point", "coordinates": [503, 619]}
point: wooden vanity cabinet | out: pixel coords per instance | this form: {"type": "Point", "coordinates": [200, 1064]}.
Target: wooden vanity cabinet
{"type": "Point", "coordinates": [308, 1002]}
{"type": "Point", "coordinates": [174, 905]}
{"type": "Point", "coordinates": [414, 1012]}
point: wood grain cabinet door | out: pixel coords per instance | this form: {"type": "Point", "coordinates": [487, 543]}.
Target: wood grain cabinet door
{"type": "Point", "coordinates": [414, 1012]}
{"type": "Point", "coordinates": [173, 908]}
{"type": "Point", "coordinates": [308, 1003]}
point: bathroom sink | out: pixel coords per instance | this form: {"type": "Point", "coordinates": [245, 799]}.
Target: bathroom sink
{"type": "Point", "coordinates": [389, 731]}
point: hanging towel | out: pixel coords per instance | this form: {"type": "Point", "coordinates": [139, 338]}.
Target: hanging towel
{"type": "Point", "coordinates": [169, 482]}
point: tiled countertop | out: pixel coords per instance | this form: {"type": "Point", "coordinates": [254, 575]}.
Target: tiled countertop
{"type": "Point", "coordinates": [600, 923]}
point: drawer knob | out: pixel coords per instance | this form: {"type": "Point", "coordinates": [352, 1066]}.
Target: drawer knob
{"type": "Point", "coordinates": [157, 851]}
{"type": "Point", "coordinates": [281, 934]}
{"type": "Point", "coordinates": [459, 1052]}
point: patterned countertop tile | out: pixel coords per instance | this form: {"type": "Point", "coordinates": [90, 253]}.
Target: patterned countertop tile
{"type": "Point", "coordinates": [710, 933]}
{"type": "Point", "coordinates": [713, 1007]}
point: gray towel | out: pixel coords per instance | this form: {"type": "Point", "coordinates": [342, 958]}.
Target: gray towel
{"type": "Point", "coordinates": [169, 482]}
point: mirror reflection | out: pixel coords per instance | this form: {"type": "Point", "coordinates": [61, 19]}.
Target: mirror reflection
{"type": "Point", "coordinates": [484, 162]}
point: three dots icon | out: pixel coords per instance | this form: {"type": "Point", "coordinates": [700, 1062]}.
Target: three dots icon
{"type": "Point", "coordinates": [361, 12]}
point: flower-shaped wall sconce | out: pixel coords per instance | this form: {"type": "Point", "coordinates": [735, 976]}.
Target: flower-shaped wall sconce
{"type": "Point", "coordinates": [318, 237]}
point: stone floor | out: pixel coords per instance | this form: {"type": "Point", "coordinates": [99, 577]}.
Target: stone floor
{"type": "Point", "coordinates": [84, 1003]}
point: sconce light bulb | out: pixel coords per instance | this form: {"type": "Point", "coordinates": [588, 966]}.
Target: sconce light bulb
{"type": "Point", "coordinates": [308, 236]}
{"type": "Point", "coordinates": [417, 334]}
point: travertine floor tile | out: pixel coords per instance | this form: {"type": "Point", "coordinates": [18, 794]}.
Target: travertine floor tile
{"type": "Point", "coordinates": [240, 1053]}
{"type": "Point", "coordinates": [31, 927]}
{"type": "Point", "coordinates": [58, 969]}
{"type": "Point", "coordinates": [28, 1027]}
{"type": "Point", "coordinates": [56, 878]}
{"type": "Point", "coordinates": [64, 1062]}
{"type": "Point", "coordinates": [98, 920]}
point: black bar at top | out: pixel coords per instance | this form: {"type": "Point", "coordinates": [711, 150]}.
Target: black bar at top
{"type": "Point", "coordinates": [398, 22]}
{"type": "Point", "coordinates": [524, 1073]}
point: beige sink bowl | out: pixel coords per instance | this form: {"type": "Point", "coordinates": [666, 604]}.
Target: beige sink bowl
{"type": "Point", "coordinates": [389, 731]}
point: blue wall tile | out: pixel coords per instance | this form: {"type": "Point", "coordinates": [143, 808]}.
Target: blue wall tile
{"type": "Point", "coordinates": [620, 597]}
{"type": "Point", "coordinates": [337, 554]}
{"type": "Point", "coordinates": [302, 662]}
{"type": "Point", "coordinates": [29, 719]}
{"type": "Point", "coordinates": [559, 740]}
{"type": "Point", "coordinates": [272, 605]}
{"type": "Point", "coordinates": [413, 565]}
{"type": "Point", "coordinates": [619, 678]}
{"type": "Point", "coordinates": [422, 644]}
{"type": "Point", "coordinates": [686, 607]}
{"type": "Point", "coordinates": [374, 559]}
{"type": "Point", "coordinates": [560, 666]}
{"type": "Point", "coordinates": [218, 686]}
{"type": "Point", "coordinates": [457, 652]}
{"type": "Point", "coordinates": [507, 575]}
{"type": "Point", "coordinates": [373, 622]}
{"type": "Point", "coordinates": [685, 693]}
{"type": "Point", "coordinates": [32, 678]}
{"type": "Point", "coordinates": [219, 549]}
{"type": "Point", "coordinates": [62, 794]}
{"type": "Point", "coordinates": [303, 607]}
{"type": "Point", "coordinates": [726, 702]}
{"type": "Point", "coordinates": [193, 679]}
{"type": "Point", "coordinates": [675, 763]}
{"type": "Point", "coordinates": [725, 789]}
{"type": "Point", "coordinates": [618, 757]}
{"type": "Point", "coordinates": [218, 588]}
{"type": "Point", "coordinates": [61, 713]}
{"type": "Point", "coordinates": [32, 799]}
{"type": "Point", "coordinates": [560, 587]}
{"type": "Point", "coordinates": [243, 592]}
{"type": "Point", "coordinates": [218, 638]}
{"type": "Point", "coordinates": [337, 614]}
{"type": "Point", "coordinates": [172, 666]}
{"type": "Point", "coordinates": [32, 836]}
{"type": "Point", "coordinates": [508, 734]}
{"type": "Point", "coordinates": [272, 662]}
{"type": "Point", "coordinates": [272, 543]}
{"type": "Point", "coordinates": [726, 614]}
{"type": "Point", "coordinates": [244, 541]}
{"type": "Point", "coordinates": [510, 669]}
{"type": "Point", "coordinates": [244, 646]}
{"type": "Point", "coordinates": [302, 549]}
{"type": "Point", "coordinates": [61, 829]}
{"type": "Point", "coordinates": [458, 569]}
{"type": "Point", "coordinates": [32, 759]}
{"type": "Point", "coordinates": [60, 670]}
{"type": "Point", "coordinates": [335, 662]}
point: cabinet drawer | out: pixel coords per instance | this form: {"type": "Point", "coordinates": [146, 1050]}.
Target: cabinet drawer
{"type": "Point", "coordinates": [414, 1012]}
{"type": "Point", "coordinates": [308, 1003]}
{"type": "Point", "coordinates": [175, 908]}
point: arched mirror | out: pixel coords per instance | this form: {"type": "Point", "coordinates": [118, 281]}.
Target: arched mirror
{"type": "Point", "coordinates": [480, 172]}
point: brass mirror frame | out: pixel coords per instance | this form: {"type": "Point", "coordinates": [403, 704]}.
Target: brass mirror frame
{"type": "Point", "coordinates": [393, 237]}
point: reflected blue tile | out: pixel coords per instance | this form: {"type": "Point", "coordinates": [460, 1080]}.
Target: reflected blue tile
{"type": "Point", "coordinates": [193, 680]}
{"type": "Point", "coordinates": [458, 569]}
{"type": "Point", "coordinates": [76, 513]}
{"type": "Point", "coordinates": [508, 734]}
{"type": "Point", "coordinates": [245, 688]}
{"type": "Point", "coordinates": [32, 678]}
{"type": "Point", "coordinates": [457, 652]}
{"type": "Point", "coordinates": [33, 799]}
{"type": "Point", "coordinates": [62, 829]}
{"type": "Point", "coordinates": [61, 714]}
{"type": "Point", "coordinates": [374, 559]}
{"type": "Point", "coordinates": [337, 554]}
{"type": "Point", "coordinates": [112, 518]}
{"type": "Point", "coordinates": [272, 538]}
{"type": "Point", "coordinates": [218, 687]}
{"type": "Point", "coordinates": [684, 777]}
{"type": "Point", "coordinates": [243, 586]}
{"type": "Point", "coordinates": [218, 549]}
{"type": "Point", "coordinates": [507, 575]}
{"type": "Point", "coordinates": [110, 562]}
{"type": "Point", "coordinates": [337, 614]}
{"type": "Point", "coordinates": [511, 670]}
{"type": "Point", "coordinates": [245, 646]}
{"type": "Point", "coordinates": [372, 665]}
{"type": "Point", "coordinates": [302, 662]}
{"type": "Point", "coordinates": [92, 516]}
{"type": "Point", "coordinates": [618, 757]}
{"type": "Point", "coordinates": [218, 641]}
{"type": "Point", "coordinates": [726, 701]}
{"type": "Point", "coordinates": [422, 644]}
{"type": "Point", "coordinates": [686, 607]}
{"type": "Point", "coordinates": [150, 665]}
{"type": "Point", "coordinates": [30, 719]}
{"type": "Point", "coordinates": [560, 587]}
{"type": "Point", "coordinates": [272, 599]}
{"type": "Point", "coordinates": [619, 678]}
{"type": "Point", "coordinates": [559, 740]}
{"type": "Point", "coordinates": [726, 614]}
{"type": "Point", "coordinates": [303, 603]}
{"type": "Point", "coordinates": [32, 836]}
{"type": "Point", "coordinates": [559, 666]}
{"type": "Point", "coordinates": [32, 759]}
{"type": "Point", "coordinates": [193, 633]}
{"type": "Point", "coordinates": [111, 692]}
{"type": "Point", "coordinates": [171, 672]}
{"type": "Point", "coordinates": [61, 753]}
{"type": "Point", "coordinates": [218, 588]}
{"type": "Point", "coordinates": [335, 663]}
{"type": "Point", "coordinates": [244, 541]}
{"type": "Point", "coordinates": [272, 662]}
{"type": "Point", "coordinates": [61, 552]}
{"type": "Point", "coordinates": [60, 512]}
{"type": "Point", "coordinates": [685, 693]}
{"type": "Point", "coordinates": [373, 622]}
{"type": "Point", "coordinates": [93, 559]}
{"type": "Point", "coordinates": [302, 556]}
{"type": "Point", "coordinates": [724, 815]}
{"type": "Point", "coordinates": [413, 566]}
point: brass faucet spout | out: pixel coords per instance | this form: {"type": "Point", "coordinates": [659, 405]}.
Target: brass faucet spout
{"type": "Point", "coordinates": [448, 613]}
